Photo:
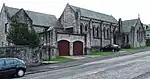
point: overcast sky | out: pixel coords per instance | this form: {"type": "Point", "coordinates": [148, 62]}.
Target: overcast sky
{"type": "Point", "coordinates": [125, 9]}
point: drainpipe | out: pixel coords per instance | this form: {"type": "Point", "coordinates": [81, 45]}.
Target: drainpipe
{"type": "Point", "coordinates": [133, 35]}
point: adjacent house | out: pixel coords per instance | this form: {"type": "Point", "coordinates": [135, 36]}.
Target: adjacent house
{"type": "Point", "coordinates": [39, 21]}
{"type": "Point", "coordinates": [84, 30]}
{"type": "Point", "coordinates": [133, 33]}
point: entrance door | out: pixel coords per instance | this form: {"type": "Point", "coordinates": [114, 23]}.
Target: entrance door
{"type": "Point", "coordinates": [77, 48]}
{"type": "Point", "coordinates": [63, 47]}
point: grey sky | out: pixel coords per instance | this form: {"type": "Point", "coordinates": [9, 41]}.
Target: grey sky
{"type": "Point", "coordinates": [125, 9]}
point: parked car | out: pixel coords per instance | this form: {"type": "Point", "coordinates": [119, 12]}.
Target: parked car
{"type": "Point", "coordinates": [111, 47]}
{"type": "Point", "coordinates": [12, 67]}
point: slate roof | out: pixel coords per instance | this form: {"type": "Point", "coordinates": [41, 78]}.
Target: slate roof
{"type": "Point", "coordinates": [95, 15]}
{"type": "Point", "coordinates": [127, 24]}
{"type": "Point", "coordinates": [40, 19]}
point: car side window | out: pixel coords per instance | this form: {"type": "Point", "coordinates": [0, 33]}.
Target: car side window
{"type": "Point", "coordinates": [9, 61]}
{"type": "Point", "coordinates": [2, 63]}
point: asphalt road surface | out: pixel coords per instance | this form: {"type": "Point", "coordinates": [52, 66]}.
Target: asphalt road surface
{"type": "Point", "coordinates": [136, 66]}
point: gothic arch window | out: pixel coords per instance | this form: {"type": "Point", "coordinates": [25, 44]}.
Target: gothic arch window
{"type": "Point", "coordinates": [93, 30]}
{"type": "Point", "coordinates": [100, 31]}
{"type": "Point", "coordinates": [108, 33]}
{"type": "Point", "coordinates": [86, 27]}
{"type": "Point", "coordinates": [6, 27]}
{"type": "Point", "coordinates": [81, 28]}
{"type": "Point", "coordinates": [138, 35]}
{"type": "Point", "coordinates": [97, 31]}
{"type": "Point", "coordinates": [105, 32]}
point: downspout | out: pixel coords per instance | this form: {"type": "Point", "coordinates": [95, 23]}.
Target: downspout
{"type": "Point", "coordinates": [101, 34]}
{"type": "Point", "coordinates": [133, 36]}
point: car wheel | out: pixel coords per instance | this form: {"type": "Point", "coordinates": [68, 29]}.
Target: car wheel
{"type": "Point", "coordinates": [20, 73]}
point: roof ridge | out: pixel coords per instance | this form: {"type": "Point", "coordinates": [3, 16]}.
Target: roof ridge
{"type": "Point", "coordinates": [130, 20]}
{"type": "Point", "coordinates": [90, 10]}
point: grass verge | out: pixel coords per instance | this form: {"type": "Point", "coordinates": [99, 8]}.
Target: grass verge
{"type": "Point", "coordinates": [138, 48]}
{"type": "Point", "coordinates": [99, 53]}
{"type": "Point", "coordinates": [57, 59]}
{"type": "Point", "coordinates": [61, 59]}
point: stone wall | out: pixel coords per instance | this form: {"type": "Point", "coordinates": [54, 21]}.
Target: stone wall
{"type": "Point", "coordinates": [32, 57]}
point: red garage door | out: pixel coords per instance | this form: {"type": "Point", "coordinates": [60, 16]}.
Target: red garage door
{"type": "Point", "coordinates": [63, 47]}
{"type": "Point", "coordinates": [77, 48]}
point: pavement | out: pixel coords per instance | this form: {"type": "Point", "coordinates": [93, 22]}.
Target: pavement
{"type": "Point", "coordinates": [134, 66]}
{"type": "Point", "coordinates": [78, 60]}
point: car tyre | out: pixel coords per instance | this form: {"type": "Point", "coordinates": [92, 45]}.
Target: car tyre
{"type": "Point", "coordinates": [20, 73]}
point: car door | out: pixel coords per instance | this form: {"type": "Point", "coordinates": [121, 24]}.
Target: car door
{"type": "Point", "coordinates": [10, 66]}
{"type": "Point", "coordinates": [2, 66]}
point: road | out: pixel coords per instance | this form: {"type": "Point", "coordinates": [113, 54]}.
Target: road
{"type": "Point", "coordinates": [136, 66]}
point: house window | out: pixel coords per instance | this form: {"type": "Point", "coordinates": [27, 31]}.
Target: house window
{"type": "Point", "coordinates": [108, 33]}
{"type": "Point", "coordinates": [86, 27]}
{"type": "Point", "coordinates": [97, 31]}
{"type": "Point", "coordinates": [93, 30]}
{"type": "Point", "coordinates": [76, 15]}
{"type": "Point", "coordinates": [6, 27]}
{"type": "Point", "coordinates": [81, 28]}
{"type": "Point", "coordinates": [137, 35]}
{"type": "Point", "coordinates": [104, 30]}
{"type": "Point", "coordinates": [100, 32]}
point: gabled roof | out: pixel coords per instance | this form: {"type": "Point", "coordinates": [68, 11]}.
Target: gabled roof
{"type": "Point", "coordinates": [127, 24]}
{"type": "Point", "coordinates": [95, 15]}
{"type": "Point", "coordinates": [39, 19]}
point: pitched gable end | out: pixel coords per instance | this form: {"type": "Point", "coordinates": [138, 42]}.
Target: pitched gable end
{"type": "Point", "coordinates": [21, 17]}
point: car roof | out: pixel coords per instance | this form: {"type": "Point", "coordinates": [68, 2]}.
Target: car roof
{"type": "Point", "coordinates": [8, 58]}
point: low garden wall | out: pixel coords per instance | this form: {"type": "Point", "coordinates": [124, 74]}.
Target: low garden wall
{"type": "Point", "coordinates": [32, 56]}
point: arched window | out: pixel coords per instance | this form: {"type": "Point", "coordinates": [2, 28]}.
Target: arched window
{"type": "Point", "coordinates": [105, 32]}
{"type": "Point", "coordinates": [93, 30]}
{"type": "Point", "coordinates": [98, 31]}
{"type": "Point", "coordinates": [81, 28]}
{"type": "Point", "coordinates": [138, 35]}
{"type": "Point", "coordinates": [6, 27]}
{"type": "Point", "coordinates": [86, 27]}
{"type": "Point", "coordinates": [108, 33]}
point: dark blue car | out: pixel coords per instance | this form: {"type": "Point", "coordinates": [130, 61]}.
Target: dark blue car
{"type": "Point", "coordinates": [12, 67]}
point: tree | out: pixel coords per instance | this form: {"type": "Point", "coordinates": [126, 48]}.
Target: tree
{"type": "Point", "coordinates": [19, 34]}
{"type": "Point", "coordinates": [34, 38]}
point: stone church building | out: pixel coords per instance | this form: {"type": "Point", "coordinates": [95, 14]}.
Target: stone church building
{"type": "Point", "coordinates": [78, 31]}
{"type": "Point", "coordinates": [132, 33]}
{"type": "Point", "coordinates": [93, 30]}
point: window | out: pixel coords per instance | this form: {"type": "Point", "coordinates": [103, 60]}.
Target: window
{"type": "Point", "coordinates": [93, 30]}
{"type": "Point", "coordinates": [100, 32]}
{"type": "Point", "coordinates": [9, 61]}
{"type": "Point", "coordinates": [86, 27]}
{"type": "Point", "coordinates": [69, 30]}
{"type": "Point", "coordinates": [2, 62]}
{"type": "Point", "coordinates": [76, 15]}
{"type": "Point", "coordinates": [104, 30]}
{"type": "Point", "coordinates": [6, 27]}
{"type": "Point", "coordinates": [137, 35]}
{"type": "Point", "coordinates": [81, 28]}
{"type": "Point", "coordinates": [97, 31]}
{"type": "Point", "coordinates": [108, 33]}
